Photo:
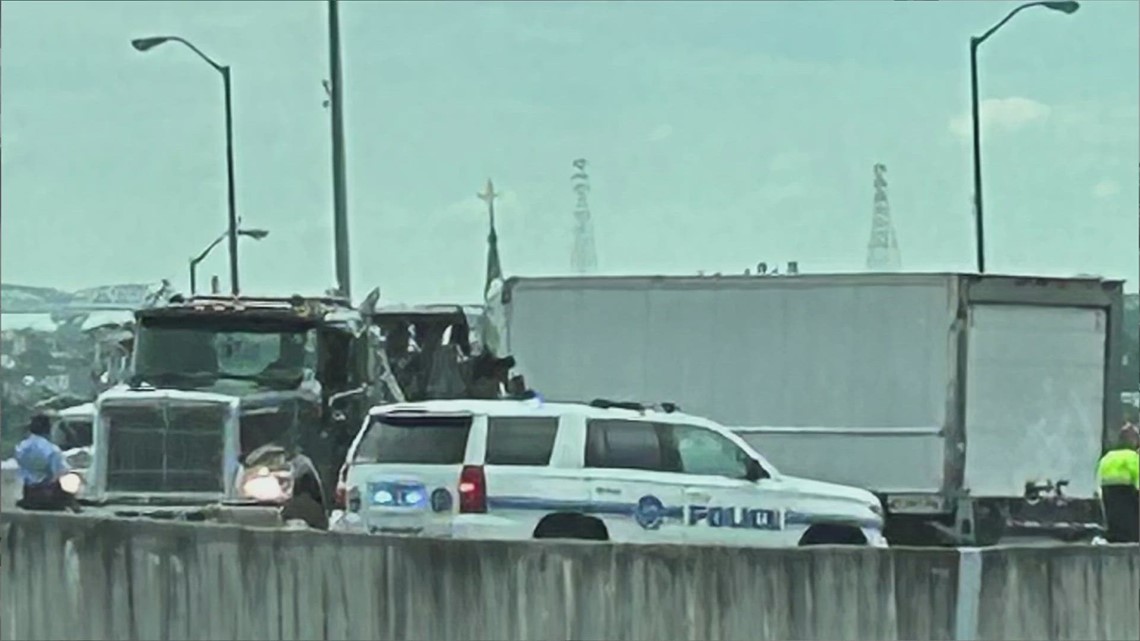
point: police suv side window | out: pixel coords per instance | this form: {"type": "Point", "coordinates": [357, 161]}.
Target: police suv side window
{"type": "Point", "coordinates": [707, 453]}
{"type": "Point", "coordinates": [628, 445]}
{"type": "Point", "coordinates": [520, 440]}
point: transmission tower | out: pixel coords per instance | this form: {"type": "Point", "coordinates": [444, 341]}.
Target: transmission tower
{"type": "Point", "coordinates": [584, 260]}
{"type": "Point", "coordinates": [883, 248]}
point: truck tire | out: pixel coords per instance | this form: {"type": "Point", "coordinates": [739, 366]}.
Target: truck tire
{"type": "Point", "coordinates": [914, 531]}
{"type": "Point", "coordinates": [305, 508]}
{"type": "Point", "coordinates": [989, 524]}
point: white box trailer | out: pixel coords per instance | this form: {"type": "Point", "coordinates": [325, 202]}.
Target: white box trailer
{"type": "Point", "coordinates": [970, 404]}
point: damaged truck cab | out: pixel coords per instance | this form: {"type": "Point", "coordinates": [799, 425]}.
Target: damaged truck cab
{"type": "Point", "coordinates": [236, 408]}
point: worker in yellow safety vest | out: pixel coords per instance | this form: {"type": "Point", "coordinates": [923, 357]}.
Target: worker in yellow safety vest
{"type": "Point", "coordinates": [1119, 476]}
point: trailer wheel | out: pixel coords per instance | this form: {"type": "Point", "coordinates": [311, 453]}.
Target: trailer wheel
{"type": "Point", "coordinates": [914, 531]}
{"type": "Point", "coordinates": [305, 508]}
{"type": "Point", "coordinates": [989, 524]}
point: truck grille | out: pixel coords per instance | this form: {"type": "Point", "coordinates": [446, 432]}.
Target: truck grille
{"type": "Point", "coordinates": [165, 447]}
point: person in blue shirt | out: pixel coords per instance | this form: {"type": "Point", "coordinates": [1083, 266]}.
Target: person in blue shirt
{"type": "Point", "coordinates": [41, 465]}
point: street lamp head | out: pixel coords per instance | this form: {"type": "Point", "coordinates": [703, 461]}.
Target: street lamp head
{"type": "Point", "coordinates": [256, 234]}
{"type": "Point", "coordinates": [1070, 6]}
{"type": "Point", "coordinates": [145, 44]}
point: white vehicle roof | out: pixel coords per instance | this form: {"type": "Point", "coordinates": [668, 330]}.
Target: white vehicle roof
{"type": "Point", "coordinates": [539, 407]}
{"type": "Point", "coordinates": [86, 410]}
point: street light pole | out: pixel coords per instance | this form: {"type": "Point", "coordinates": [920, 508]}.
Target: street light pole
{"type": "Point", "coordinates": [256, 234]}
{"type": "Point", "coordinates": [979, 227]}
{"type": "Point", "coordinates": [340, 190]}
{"type": "Point", "coordinates": [232, 231]}
{"type": "Point", "coordinates": [1067, 7]}
{"type": "Point", "coordinates": [145, 44]}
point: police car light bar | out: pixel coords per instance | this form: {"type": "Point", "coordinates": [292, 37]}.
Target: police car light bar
{"type": "Point", "coordinates": [605, 404]}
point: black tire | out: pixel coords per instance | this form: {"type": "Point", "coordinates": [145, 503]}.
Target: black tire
{"type": "Point", "coordinates": [913, 531]}
{"type": "Point", "coordinates": [989, 525]}
{"type": "Point", "coordinates": [571, 526]}
{"type": "Point", "coordinates": [307, 509]}
{"type": "Point", "coordinates": [833, 535]}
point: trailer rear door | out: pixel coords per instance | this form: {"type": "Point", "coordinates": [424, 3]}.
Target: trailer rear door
{"type": "Point", "coordinates": [1034, 398]}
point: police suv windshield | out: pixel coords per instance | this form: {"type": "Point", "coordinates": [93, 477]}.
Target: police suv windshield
{"type": "Point", "coordinates": [198, 354]}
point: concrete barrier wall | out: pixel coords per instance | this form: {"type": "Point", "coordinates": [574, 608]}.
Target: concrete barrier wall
{"type": "Point", "coordinates": [76, 577]}
{"type": "Point", "coordinates": [1060, 593]}
{"type": "Point", "coordinates": [10, 487]}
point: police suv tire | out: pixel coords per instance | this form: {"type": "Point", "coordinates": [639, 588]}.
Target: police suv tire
{"type": "Point", "coordinates": [827, 534]}
{"type": "Point", "coordinates": [305, 508]}
{"type": "Point", "coordinates": [571, 526]}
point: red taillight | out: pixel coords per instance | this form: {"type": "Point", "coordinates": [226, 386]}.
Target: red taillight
{"type": "Point", "coordinates": [472, 490]}
{"type": "Point", "coordinates": [341, 486]}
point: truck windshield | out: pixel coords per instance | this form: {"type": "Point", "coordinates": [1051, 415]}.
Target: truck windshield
{"type": "Point", "coordinates": [196, 355]}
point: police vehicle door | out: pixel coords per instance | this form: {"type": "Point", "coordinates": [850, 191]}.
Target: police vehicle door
{"type": "Point", "coordinates": [722, 505]}
{"type": "Point", "coordinates": [634, 488]}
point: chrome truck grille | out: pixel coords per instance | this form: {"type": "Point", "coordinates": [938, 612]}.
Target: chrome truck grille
{"type": "Point", "coordinates": [165, 447]}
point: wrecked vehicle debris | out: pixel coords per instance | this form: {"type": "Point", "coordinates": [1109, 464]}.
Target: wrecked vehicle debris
{"type": "Point", "coordinates": [435, 352]}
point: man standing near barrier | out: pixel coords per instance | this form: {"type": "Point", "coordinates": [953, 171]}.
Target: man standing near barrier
{"type": "Point", "coordinates": [1119, 476]}
{"type": "Point", "coordinates": [41, 466]}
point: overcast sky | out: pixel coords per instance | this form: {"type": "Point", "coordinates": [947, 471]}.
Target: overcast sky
{"type": "Point", "coordinates": [718, 135]}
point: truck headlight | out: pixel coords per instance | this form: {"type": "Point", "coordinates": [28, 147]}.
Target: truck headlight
{"type": "Point", "coordinates": [71, 483]}
{"type": "Point", "coordinates": [263, 484]}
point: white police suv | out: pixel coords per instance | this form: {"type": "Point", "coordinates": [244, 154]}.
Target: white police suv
{"type": "Point", "coordinates": [604, 471]}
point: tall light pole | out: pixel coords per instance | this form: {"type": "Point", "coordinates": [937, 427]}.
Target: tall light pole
{"type": "Point", "coordinates": [256, 234]}
{"type": "Point", "coordinates": [975, 41]}
{"type": "Point", "coordinates": [146, 44]}
{"type": "Point", "coordinates": [340, 189]}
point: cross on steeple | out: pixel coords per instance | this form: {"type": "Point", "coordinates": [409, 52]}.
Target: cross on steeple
{"type": "Point", "coordinates": [494, 267]}
{"type": "Point", "coordinates": [488, 196]}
